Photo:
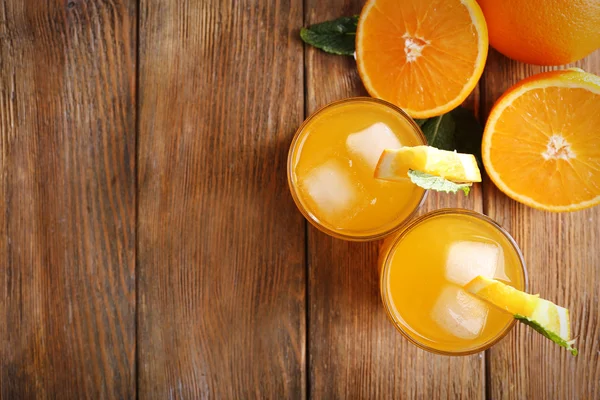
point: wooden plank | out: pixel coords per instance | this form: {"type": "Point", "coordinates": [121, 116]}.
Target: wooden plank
{"type": "Point", "coordinates": [221, 244]}
{"type": "Point", "coordinates": [561, 254]}
{"type": "Point", "coordinates": [67, 194]}
{"type": "Point", "coordinates": [355, 352]}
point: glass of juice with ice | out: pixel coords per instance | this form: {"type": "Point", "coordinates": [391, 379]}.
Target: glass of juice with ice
{"type": "Point", "coordinates": [424, 267]}
{"type": "Point", "coordinates": [332, 161]}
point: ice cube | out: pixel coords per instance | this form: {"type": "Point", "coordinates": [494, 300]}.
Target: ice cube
{"type": "Point", "coordinates": [459, 314]}
{"type": "Point", "coordinates": [331, 188]}
{"type": "Point", "coordinates": [369, 143]}
{"type": "Point", "coordinates": [468, 259]}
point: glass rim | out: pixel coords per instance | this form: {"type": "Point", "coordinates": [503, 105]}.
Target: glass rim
{"type": "Point", "coordinates": [386, 263]}
{"type": "Point", "coordinates": [309, 216]}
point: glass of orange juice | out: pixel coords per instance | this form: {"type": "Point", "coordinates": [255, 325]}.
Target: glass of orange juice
{"type": "Point", "coordinates": [422, 271]}
{"type": "Point", "coordinates": [331, 164]}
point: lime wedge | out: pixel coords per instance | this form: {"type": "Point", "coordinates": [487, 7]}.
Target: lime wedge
{"type": "Point", "coordinates": [545, 317]}
{"type": "Point", "coordinates": [394, 164]}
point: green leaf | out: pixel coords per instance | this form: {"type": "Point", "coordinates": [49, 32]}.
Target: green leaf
{"type": "Point", "coordinates": [468, 133]}
{"type": "Point", "coordinates": [420, 122]}
{"type": "Point", "coordinates": [457, 130]}
{"type": "Point", "coordinates": [336, 36]}
{"type": "Point", "coordinates": [432, 182]}
{"type": "Point", "coordinates": [550, 335]}
{"type": "Point", "coordinates": [439, 132]}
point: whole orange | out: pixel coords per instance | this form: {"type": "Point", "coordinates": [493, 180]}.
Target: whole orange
{"type": "Point", "coordinates": [543, 32]}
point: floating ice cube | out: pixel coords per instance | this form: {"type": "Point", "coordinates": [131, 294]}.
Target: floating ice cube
{"type": "Point", "coordinates": [331, 188]}
{"type": "Point", "coordinates": [459, 314]}
{"type": "Point", "coordinates": [369, 143]}
{"type": "Point", "coordinates": [467, 259]}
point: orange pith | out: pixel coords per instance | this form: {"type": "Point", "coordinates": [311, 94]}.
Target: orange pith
{"type": "Point", "coordinates": [425, 56]}
{"type": "Point", "coordinates": [541, 144]}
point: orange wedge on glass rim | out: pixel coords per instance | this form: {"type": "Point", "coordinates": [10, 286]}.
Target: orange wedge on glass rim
{"type": "Point", "coordinates": [394, 164]}
{"type": "Point", "coordinates": [545, 317]}
{"type": "Point", "coordinates": [541, 143]}
{"type": "Point", "coordinates": [424, 56]}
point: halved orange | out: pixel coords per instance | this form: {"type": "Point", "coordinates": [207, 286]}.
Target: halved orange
{"type": "Point", "coordinates": [541, 144]}
{"type": "Point", "coordinates": [425, 56]}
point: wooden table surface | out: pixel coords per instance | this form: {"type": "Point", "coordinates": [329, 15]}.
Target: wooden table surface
{"type": "Point", "coordinates": [149, 246]}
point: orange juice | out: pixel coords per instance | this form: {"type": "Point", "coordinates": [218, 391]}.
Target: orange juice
{"type": "Point", "coordinates": [331, 165]}
{"type": "Point", "coordinates": [424, 268]}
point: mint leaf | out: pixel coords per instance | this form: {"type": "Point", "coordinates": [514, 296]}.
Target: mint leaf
{"type": "Point", "coordinates": [428, 181]}
{"type": "Point", "coordinates": [550, 335]}
{"type": "Point", "coordinates": [336, 36]}
{"type": "Point", "coordinates": [456, 130]}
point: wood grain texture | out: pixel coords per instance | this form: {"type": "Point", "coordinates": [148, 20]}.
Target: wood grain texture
{"type": "Point", "coordinates": [67, 194]}
{"type": "Point", "coordinates": [562, 254]}
{"type": "Point", "coordinates": [221, 245]}
{"type": "Point", "coordinates": [355, 352]}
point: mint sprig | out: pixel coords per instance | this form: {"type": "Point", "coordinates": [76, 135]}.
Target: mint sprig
{"type": "Point", "coordinates": [336, 36]}
{"type": "Point", "coordinates": [550, 335]}
{"type": "Point", "coordinates": [433, 182]}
